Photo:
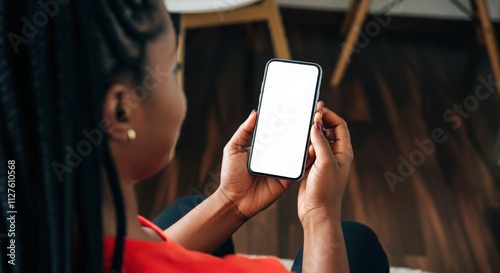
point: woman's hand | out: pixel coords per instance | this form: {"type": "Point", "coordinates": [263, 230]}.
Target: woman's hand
{"type": "Point", "coordinates": [330, 156]}
{"type": "Point", "coordinates": [213, 221]}
{"type": "Point", "coordinates": [249, 193]}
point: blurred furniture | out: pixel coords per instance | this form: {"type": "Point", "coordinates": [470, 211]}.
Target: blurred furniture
{"type": "Point", "coordinates": [356, 16]}
{"type": "Point", "coordinates": [486, 34]}
{"type": "Point", "coordinates": [353, 23]}
{"type": "Point", "coordinates": [211, 13]}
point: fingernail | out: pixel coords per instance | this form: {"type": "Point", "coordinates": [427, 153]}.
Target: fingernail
{"type": "Point", "coordinates": [319, 127]}
{"type": "Point", "coordinates": [253, 111]}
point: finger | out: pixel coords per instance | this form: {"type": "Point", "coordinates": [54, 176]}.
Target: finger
{"type": "Point", "coordinates": [335, 122]}
{"type": "Point", "coordinates": [311, 156]}
{"type": "Point", "coordinates": [342, 148]}
{"type": "Point", "coordinates": [319, 142]}
{"type": "Point", "coordinates": [316, 118]}
{"type": "Point", "coordinates": [244, 133]}
{"type": "Point", "coordinates": [320, 105]}
{"type": "Point", "coordinates": [310, 152]}
{"type": "Point", "coordinates": [329, 133]}
{"type": "Point", "coordinates": [309, 163]}
{"type": "Point", "coordinates": [285, 183]}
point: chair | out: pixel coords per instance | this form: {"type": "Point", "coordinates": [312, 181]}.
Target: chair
{"type": "Point", "coordinates": [356, 16]}
{"type": "Point", "coordinates": [210, 13]}
{"type": "Point", "coordinates": [352, 25]}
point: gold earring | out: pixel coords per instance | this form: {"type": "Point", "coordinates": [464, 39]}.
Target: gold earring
{"type": "Point", "coordinates": [172, 154]}
{"type": "Point", "coordinates": [131, 134]}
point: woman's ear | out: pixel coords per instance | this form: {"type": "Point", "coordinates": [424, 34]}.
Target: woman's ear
{"type": "Point", "coordinates": [118, 112]}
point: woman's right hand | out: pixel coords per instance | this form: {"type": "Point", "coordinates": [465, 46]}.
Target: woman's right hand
{"type": "Point", "coordinates": [330, 156]}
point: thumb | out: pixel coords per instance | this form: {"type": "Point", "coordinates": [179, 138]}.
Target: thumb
{"type": "Point", "coordinates": [320, 144]}
{"type": "Point", "coordinates": [244, 133]}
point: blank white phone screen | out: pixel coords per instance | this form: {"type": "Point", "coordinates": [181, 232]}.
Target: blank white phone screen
{"type": "Point", "coordinates": [284, 118]}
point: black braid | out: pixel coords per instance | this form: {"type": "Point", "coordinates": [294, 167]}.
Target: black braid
{"type": "Point", "coordinates": [51, 88]}
{"type": "Point", "coordinates": [146, 23]}
{"type": "Point", "coordinates": [42, 87]}
{"type": "Point", "coordinates": [120, 211]}
{"type": "Point", "coordinates": [89, 201]}
{"type": "Point", "coordinates": [65, 64]}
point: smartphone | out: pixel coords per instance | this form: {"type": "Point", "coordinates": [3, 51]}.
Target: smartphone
{"type": "Point", "coordinates": [287, 103]}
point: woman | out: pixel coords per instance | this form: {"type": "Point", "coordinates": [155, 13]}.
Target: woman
{"type": "Point", "coordinates": [90, 105]}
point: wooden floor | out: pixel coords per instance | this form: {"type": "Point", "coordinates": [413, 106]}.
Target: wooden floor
{"type": "Point", "coordinates": [402, 86]}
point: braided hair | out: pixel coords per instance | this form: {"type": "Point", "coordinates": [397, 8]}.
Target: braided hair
{"type": "Point", "coordinates": [58, 57]}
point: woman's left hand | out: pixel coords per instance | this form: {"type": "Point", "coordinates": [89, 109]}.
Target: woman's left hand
{"type": "Point", "coordinates": [249, 193]}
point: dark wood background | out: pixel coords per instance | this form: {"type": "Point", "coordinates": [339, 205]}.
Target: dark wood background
{"type": "Point", "coordinates": [444, 217]}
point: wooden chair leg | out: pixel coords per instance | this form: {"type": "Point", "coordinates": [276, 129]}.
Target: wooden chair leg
{"type": "Point", "coordinates": [479, 32]}
{"type": "Point", "coordinates": [352, 38]}
{"type": "Point", "coordinates": [489, 38]}
{"type": "Point", "coordinates": [347, 22]}
{"type": "Point", "coordinates": [278, 36]}
{"type": "Point", "coordinates": [181, 48]}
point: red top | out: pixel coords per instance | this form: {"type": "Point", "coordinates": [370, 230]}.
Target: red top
{"type": "Point", "coordinates": [168, 256]}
